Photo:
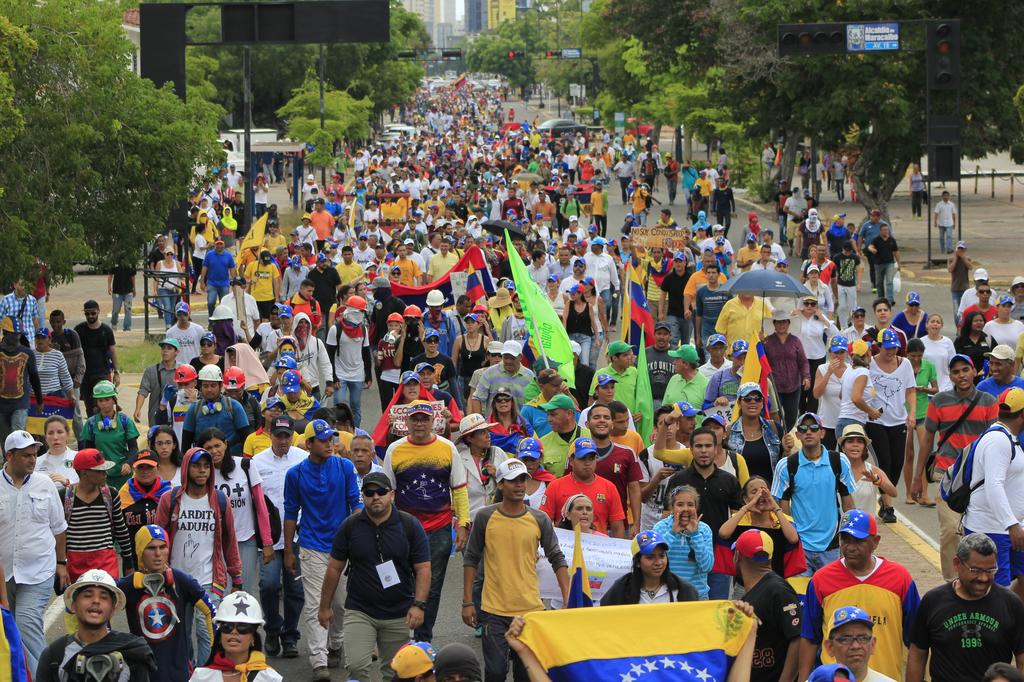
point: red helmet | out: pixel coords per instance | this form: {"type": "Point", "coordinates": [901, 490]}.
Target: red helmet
{"type": "Point", "coordinates": [395, 317]}
{"type": "Point", "coordinates": [184, 374]}
{"type": "Point", "coordinates": [234, 377]}
{"type": "Point", "coordinates": [357, 302]}
{"type": "Point", "coordinates": [412, 311]}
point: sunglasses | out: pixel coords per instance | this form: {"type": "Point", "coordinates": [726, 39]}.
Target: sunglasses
{"type": "Point", "coordinates": [984, 292]}
{"type": "Point", "coordinates": [431, 341]}
{"type": "Point", "coordinates": [374, 492]}
{"type": "Point", "coordinates": [206, 343]}
{"type": "Point", "coordinates": [503, 399]}
{"type": "Point", "coordinates": [240, 628]}
{"type": "Point", "coordinates": [859, 316]}
{"type": "Point", "coordinates": [753, 398]}
{"type": "Point", "coordinates": [810, 304]}
{"type": "Point", "coordinates": [804, 428]}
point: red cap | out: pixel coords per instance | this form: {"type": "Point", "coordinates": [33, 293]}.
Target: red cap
{"type": "Point", "coordinates": [754, 544]}
{"type": "Point", "coordinates": [91, 458]}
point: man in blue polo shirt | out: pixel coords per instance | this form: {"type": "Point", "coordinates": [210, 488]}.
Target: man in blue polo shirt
{"type": "Point", "coordinates": [216, 275]}
{"type": "Point", "coordinates": [388, 560]}
{"type": "Point", "coordinates": [816, 494]}
{"type": "Point", "coordinates": [326, 490]}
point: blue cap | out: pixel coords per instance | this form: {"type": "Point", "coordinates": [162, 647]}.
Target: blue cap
{"type": "Point", "coordinates": [290, 382]}
{"type": "Point", "coordinates": [718, 419]}
{"type": "Point", "coordinates": [913, 298]}
{"type": "Point", "coordinates": [182, 308]}
{"type": "Point", "coordinates": [782, 261]}
{"type": "Point", "coordinates": [858, 309]}
{"type": "Point", "coordinates": [828, 672]}
{"type": "Point", "coordinates": [605, 379]}
{"type": "Point", "coordinates": [850, 614]}
{"type": "Point", "coordinates": [408, 377]}
{"type": "Point", "coordinates": [552, 278]}
{"type": "Point", "coordinates": [430, 333]}
{"type": "Point", "coordinates": [422, 366]}
{"type": "Point", "coordinates": [579, 262]}
{"type": "Point", "coordinates": [959, 357]}
{"type": "Point", "coordinates": [686, 409]}
{"type": "Point", "coordinates": [889, 339]}
{"type": "Point", "coordinates": [859, 524]}
{"type": "Point", "coordinates": [321, 257]}
{"type": "Point", "coordinates": [44, 333]}
{"type": "Point", "coordinates": [739, 347]}
{"type": "Point", "coordinates": [839, 343]}
{"type": "Point", "coordinates": [748, 388]}
{"type": "Point", "coordinates": [598, 241]}
{"type": "Point", "coordinates": [720, 240]}
{"type": "Point", "coordinates": [647, 541]}
{"type": "Point", "coordinates": [285, 362]}
{"type": "Point", "coordinates": [272, 402]}
{"type": "Point", "coordinates": [421, 407]}
{"type": "Point", "coordinates": [284, 310]}
{"type": "Point", "coordinates": [320, 429]}
{"type": "Point", "coordinates": [716, 339]}
{"type": "Point", "coordinates": [679, 255]}
{"type": "Point", "coordinates": [529, 448]}
{"type": "Point", "coordinates": [583, 447]}
{"type": "Point", "coordinates": [510, 285]}
{"type": "Point", "coordinates": [199, 452]}
{"type": "Point", "coordinates": [295, 262]}
{"type": "Point", "coordinates": [809, 415]}
{"type": "Point", "coordinates": [472, 316]}
{"type": "Point", "coordinates": [1005, 300]}
{"type": "Point", "coordinates": [538, 216]}
{"type": "Point", "coordinates": [209, 338]}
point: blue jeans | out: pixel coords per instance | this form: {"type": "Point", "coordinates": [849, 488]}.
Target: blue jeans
{"type": "Point", "coordinates": [782, 229]}
{"type": "Point", "coordinates": [28, 603]}
{"type": "Point", "coordinates": [720, 585]}
{"type": "Point", "coordinates": [816, 560]}
{"type": "Point", "coordinates": [252, 559]}
{"type": "Point", "coordinates": [884, 273]}
{"type": "Point", "coordinates": [353, 391]}
{"type": "Point", "coordinates": [946, 238]}
{"type": "Point", "coordinates": [606, 297]}
{"type": "Point", "coordinates": [496, 651]}
{"type": "Point", "coordinates": [167, 301]}
{"type": "Point", "coordinates": [440, 542]}
{"type": "Point", "coordinates": [272, 576]}
{"type": "Point", "coordinates": [14, 420]}
{"type": "Point", "coordinates": [680, 328]}
{"type": "Point", "coordinates": [119, 300]}
{"type": "Point", "coordinates": [957, 297]}
{"type": "Point", "coordinates": [585, 342]}
{"type": "Point", "coordinates": [214, 294]}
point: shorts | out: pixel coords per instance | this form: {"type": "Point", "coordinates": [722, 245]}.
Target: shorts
{"type": "Point", "coordinates": [1010, 562]}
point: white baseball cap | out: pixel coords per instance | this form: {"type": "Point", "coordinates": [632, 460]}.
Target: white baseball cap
{"type": "Point", "coordinates": [981, 275]}
{"type": "Point", "coordinates": [511, 469]}
{"type": "Point", "coordinates": [19, 440]}
{"type": "Point", "coordinates": [511, 347]}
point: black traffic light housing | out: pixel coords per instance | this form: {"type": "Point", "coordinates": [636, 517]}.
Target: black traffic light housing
{"type": "Point", "coordinates": [514, 54]}
{"type": "Point", "coordinates": [451, 55]}
{"type": "Point", "coordinates": [811, 39]}
{"type": "Point", "coordinates": [943, 48]}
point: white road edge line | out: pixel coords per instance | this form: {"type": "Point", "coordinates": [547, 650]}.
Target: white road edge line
{"type": "Point", "coordinates": [53, 613]}
{"type": "Point", "coordinates": [917, 531]}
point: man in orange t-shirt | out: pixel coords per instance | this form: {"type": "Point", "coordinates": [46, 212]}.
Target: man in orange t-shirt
{"type": "Point", "coordinates": [608, 516]}
{"type": "Point", "coordinates": [323, 222]}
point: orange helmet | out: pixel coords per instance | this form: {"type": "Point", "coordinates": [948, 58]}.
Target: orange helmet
{"type": "Point", "coordinates": [412, 311]}
{"type": "Point", "coordinates": [395, 317]}
{"type": "Point", "coordinates": [184, 374]}
{"type": "Point", "coordinates": [357, 302]}
{"type": "Point", "coordinates": [234, 377]}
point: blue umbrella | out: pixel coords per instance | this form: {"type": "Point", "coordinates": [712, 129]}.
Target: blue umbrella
{"type": "Point", "coordinates": [766, 283]}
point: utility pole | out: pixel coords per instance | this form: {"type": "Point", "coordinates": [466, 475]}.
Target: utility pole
{"type": "Point", "coordinates": [320, 69]}
{"type": "Point", "coordinates": [247, 140]}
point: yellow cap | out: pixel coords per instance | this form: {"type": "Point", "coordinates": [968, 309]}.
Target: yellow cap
{"type": "Point", "coordinates": [1012, 400]}
{"type": "Point", "coordinates": [858, 347]}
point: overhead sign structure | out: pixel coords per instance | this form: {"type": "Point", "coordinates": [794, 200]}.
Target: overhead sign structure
{"type": "Point", "coordinates": [878, 37]}
{"type": "Point", "coordinates": [571, 53]}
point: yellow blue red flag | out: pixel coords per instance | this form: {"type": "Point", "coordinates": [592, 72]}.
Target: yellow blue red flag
{"type": "Point", "coordinates": [579, 581]}
{"type": "Point", "coordinates": [13, 664]}
{"type": "Point", "coordinates": [715, 634]}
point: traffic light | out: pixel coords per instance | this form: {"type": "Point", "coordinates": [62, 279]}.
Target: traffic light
{"type": "Point", "coordinates": [811, 39]}
{"type": "Point", "coordinates": [943, 47]}
{"type": "Point", "coordinates": [514, 54]}
{"type": "Point", "coordinates": [451, 55]}
{"type": "Point", "coordinates": [551, 54]}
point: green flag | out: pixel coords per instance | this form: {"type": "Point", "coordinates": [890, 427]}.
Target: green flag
{"type": "Point", "coordinates": [542, 322]}
{"type": "Point", "coordinates": [643, 399]}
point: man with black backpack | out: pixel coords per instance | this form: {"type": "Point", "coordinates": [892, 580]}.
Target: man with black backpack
{"type": "Point", "coordinates": [995, 505]}
{"type": "Point", "coordinates": [388, 565]}
{"type": "Point", "coordinates": [955, 419]}
{"type": "Point", "coordinates": [813, 486]}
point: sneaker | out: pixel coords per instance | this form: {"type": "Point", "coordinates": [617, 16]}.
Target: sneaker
{"type": "Point", "coordinates": [289, 650]}
{"type": "Point", "coordinates": [272, 647]}
{"type": "Point", "coordinates": [321, 674]}
{"type": "Point", "coordinates": [333, 658]}
{"type": "Point", "coordinates": [887, 514]}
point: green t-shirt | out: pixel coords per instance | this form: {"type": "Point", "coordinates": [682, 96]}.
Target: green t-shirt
{"type": "Point", "coordinates": [556, 449]}
{"type": "Point", "coordinates": [113, 443]}
{"type": "Point", "coordinates": [925, 376]}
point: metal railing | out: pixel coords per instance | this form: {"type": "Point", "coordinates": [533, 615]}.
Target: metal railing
{"type": "Point", "coordinates": [178, 282]}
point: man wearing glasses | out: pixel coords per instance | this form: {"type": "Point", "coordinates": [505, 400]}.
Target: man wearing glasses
{"type": "Point", "coordinates": [967, 624]}
{"type": "Point", "coordinates": [882, 587]}
{"type": "Point", "coordinates": [811, 486]}
{"type": "Point", "coordinates": [851, 642]}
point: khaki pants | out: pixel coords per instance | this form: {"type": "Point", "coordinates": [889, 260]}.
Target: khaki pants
{"type": "Point", "coordinates": [318, 639]}
{"type": "Point", "coordinates": [949, 537]}
{"type": "Point", "coordinates": [363, 634]}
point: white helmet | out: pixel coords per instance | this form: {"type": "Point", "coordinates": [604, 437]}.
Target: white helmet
{"type": "Point", "coordinates": [221, 312]}
{"type": "Point", "coordinates": [94, 577]}
{"type": "Point", "coordinates": [435, 298]}
{"type": "Point", "coordinates": [211, 373]}
{"type": "Point", "coordinates": [239, 607]}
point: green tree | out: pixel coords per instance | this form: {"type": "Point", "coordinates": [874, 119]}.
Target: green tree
{"type": "Point", "coordinates": [16, 48]}
{"type": "Point", "coordinates": [489, 52]}
{"type": "Point", "coordinates": [102, 155]}
{"type": "Point", "coordinates": [345, 118]}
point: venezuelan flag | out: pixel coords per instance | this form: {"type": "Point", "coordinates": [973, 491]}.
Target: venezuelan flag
{"type": "Point", "coordinates": [635, 308]}
{"type": "Point", "coordinates": [579, 581]}
{"type": "Point", "coordinates": [13, 665]}
{"type": "Point", "coordinates": [715, 636]}
{"type": "Point", "coordinates": [756, 369]}
{"type": "Point", "coordinates": [479, 282]}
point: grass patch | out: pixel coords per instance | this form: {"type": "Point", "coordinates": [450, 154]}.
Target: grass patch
{"type": "Point", "coordinates": [135, 356]}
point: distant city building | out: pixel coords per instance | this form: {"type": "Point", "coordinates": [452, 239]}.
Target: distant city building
{"type": "Point", "coordinates": [475, 16]}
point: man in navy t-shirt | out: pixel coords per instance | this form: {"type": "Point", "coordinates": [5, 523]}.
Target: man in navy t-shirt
{"type": "Point", "coordinates": [218, 270]}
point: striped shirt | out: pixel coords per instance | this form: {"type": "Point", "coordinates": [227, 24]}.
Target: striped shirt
{"type": "Point", "coordinates": [54, 376]}
{"type": "Point", "coordinates": [945, 409]}
{"type": "Point", "coordinates": [90, 527]}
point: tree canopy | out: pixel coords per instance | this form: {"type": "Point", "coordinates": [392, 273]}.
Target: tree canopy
{"type": "Point", "coordinates": [345, 118]}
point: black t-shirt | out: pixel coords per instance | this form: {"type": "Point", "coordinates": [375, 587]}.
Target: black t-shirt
{"type": "Point", "coordinates": [778, 607]}
{"type": "Point", "coordinates": [365, 545]}
{"type": "Point", "coordinates": [846, 269]}
{"type": "Point", "coordinates": [325, 286]}
{"type": "Point", "coordinates": [584, 376]}
{"type": "Point", "coordinates": [719, 493]}
{"type": "Point", "coordinates": [673, 285]}
{"type": "Point", "coordinates": [884, 250]}
{"type": "Point", "coordinates": [95, 344]}
{"type": "Point", "coordinates": [965, 637]}
{"type": "Point", "coordinates": [122, 279]}
{"type": "Point", "coordinates": [447, 367]}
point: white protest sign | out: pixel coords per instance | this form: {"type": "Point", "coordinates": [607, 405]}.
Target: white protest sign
{"type": "Point", "coordinates": [607, 560]}
{"type": "Point", "coordinates": [398, 414]}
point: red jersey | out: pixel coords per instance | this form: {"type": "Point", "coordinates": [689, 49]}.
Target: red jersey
{"type": "Point", "coordinates": [601, 491]}
{"type": "Point", "coordinates": [620, 466]}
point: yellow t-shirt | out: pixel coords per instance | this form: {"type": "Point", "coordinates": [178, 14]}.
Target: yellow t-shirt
{"type": "Point", "coordinates": [440, 264]}
{"type": "Point", "coordinates": [262, 278]}
{"type": "Point", "coordinates": [704, 185]}
{"type": "Point", "coordinates": [350, 273]}
{"type": "Point", "coordinates": [272, 243]}
{"type": "Point", "coordinates": [736, 321]}
{"type": "Point", "coordinates": [699, 279]}
{"type": "Point", "coordinates": [411, 272]}
{"type": "Point", "coordinates": [597, 204]}
{"type": "Point", "coordinates": [258, 441]}
{"type": "Point", "coordinates": [749, 254]}
{"type": "Point", "coordinates": [507, 548]}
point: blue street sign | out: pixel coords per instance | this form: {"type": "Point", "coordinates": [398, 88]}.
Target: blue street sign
{"type": "Point", "coordinates": [872, 37]}
{"type": "Point", "coordinates": [571, 53]}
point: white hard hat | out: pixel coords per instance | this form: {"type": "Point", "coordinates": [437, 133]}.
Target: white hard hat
{"type": "Point", "coordinates": [221, 312]}
{"type": "Point", "coordinates": [211, 373]}
{"type": "Point", "coordinates": [94, 577]}
{"type": "Point", "coordinates": [435, 298]}
{"type": "Point", "coordinates": [239, 607]}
